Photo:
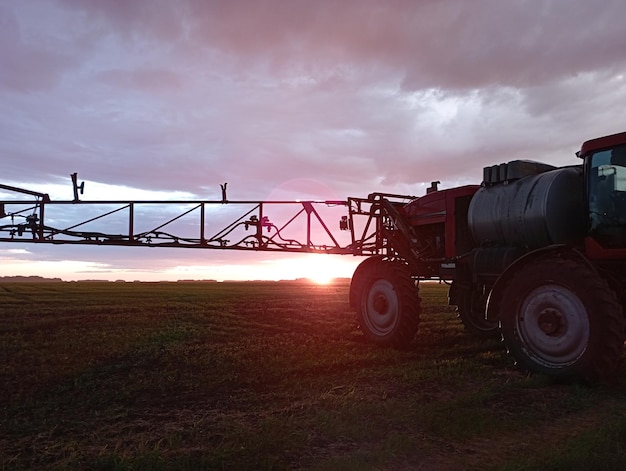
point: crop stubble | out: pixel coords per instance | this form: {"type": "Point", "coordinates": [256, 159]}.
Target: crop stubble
{"type": "Point", "coordinates": [264, 375]}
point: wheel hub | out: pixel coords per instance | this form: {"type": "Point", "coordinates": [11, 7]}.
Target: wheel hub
{"type": "Point", "coordinates": [550, 321]}
{"type": "Point", "coordinates": [381, 307]}
{"type": "Point", "coordinates": [380, 304]}
{"type": "Point", "coordinates": [553, 325]}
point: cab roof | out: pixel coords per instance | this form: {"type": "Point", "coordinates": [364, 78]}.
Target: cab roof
{"type": "Point", "coordinates": [600, 143]}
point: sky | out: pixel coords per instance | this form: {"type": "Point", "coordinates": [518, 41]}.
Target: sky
{"type": "Point", "coordinates": [160, 99]}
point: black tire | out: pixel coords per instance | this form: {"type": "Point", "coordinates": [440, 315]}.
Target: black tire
{"type": "Point", "coordinates": [560, 318]}
{"type": "Point", "coordinates": [356, 283]}
{"type": "Point", "coordinates": [471, 312]}
{"type": "Point", "coordinates": [388, 303]}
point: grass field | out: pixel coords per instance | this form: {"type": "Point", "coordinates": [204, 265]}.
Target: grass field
{"type": "Point", "coordinates": [275, 376]}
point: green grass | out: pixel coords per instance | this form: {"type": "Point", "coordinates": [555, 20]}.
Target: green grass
{"type": "Point", "coordinates": [274, 376]}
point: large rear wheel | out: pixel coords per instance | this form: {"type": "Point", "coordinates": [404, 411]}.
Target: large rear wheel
{"type": "Point", "coordinates": [387, 302]}
{"type": "Point", "coordinates": [559, 317]}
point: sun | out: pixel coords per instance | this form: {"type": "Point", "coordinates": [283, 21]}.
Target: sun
{"type": "Point", "coordinates": [321, 270]}
{"type": "Point", "coordinates": [321, 279]}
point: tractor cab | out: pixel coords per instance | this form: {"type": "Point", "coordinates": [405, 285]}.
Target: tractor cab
{"type": "Point", "coordinates": [605, 164]}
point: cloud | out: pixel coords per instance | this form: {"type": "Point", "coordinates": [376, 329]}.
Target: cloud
{"type": "Point", "coordinates": [434, 44]}
{"type": "Point", "coordinates": [166, 95]}
{"type": "Point", "coordinates": [26, 67]}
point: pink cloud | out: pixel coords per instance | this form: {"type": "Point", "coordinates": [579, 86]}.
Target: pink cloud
{"type": "Point", "coordinates": [147, 79]}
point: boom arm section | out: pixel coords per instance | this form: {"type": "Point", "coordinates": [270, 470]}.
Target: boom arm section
{"type": "Point", "coordinates": [367, 226]}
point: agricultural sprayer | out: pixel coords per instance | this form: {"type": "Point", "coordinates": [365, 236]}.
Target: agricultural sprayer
{"type": "Point", "coordinates": [535, 254]}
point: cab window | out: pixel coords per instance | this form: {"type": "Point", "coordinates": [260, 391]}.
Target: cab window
{"type": "Point", "coordinates": [607, 191]}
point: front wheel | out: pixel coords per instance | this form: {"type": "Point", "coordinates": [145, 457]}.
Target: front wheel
{"type": "Point", "coordinates": [387, 303]}
{"type": "Point", "coordinates": [559, 317]}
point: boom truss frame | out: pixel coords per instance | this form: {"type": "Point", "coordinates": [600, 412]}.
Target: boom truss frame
{"type": "Point", "coordinates": [257, 225]}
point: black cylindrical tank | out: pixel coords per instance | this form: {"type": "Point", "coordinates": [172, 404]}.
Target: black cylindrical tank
{"type": "Point", "coordinates": [534, 211]}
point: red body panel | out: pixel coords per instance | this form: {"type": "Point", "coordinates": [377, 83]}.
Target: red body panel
{"type": "Point", "coordinates": [595, 251]}
{"type": "Point", "coordinates": [439, 207]}
{"type": "Point", "coordinates": [602, 143]}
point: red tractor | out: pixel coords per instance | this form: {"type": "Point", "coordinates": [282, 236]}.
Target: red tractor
{"type": "Point", "coordinates": [536, 254]}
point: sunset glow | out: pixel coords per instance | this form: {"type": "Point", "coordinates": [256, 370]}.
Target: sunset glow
{"type": "Point", "coordinates": [320, 269]}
